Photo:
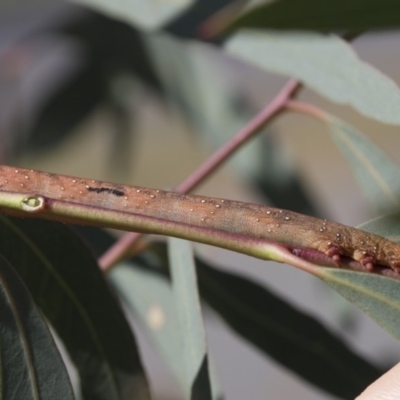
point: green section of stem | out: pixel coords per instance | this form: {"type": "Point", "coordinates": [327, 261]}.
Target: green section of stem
{"type": "Point", "coordinates": [62, 211]}
{"type": "Point", "coordinates": [13, 201]}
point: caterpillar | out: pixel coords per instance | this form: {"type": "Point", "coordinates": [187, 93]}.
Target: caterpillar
{"type": "Point", "coordinates": [252, 220]}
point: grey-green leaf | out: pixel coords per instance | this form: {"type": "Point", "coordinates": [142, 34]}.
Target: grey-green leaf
{"type": "Point", "coordinates": [149, 295]}
{"type": "Point", "coordinates": [322, 15]}
{"type": "Point", "coordinates": [190, 319]}
{"type": "Point", "coordinates": [31, 366]}
{"type": "Point", "coordinates": [387, 226]}
{"type": "Point", "coordinates": [324, 63]}
{"type": "Point", "coordinates": [376, 295]}
{"type": "Point", "coordinates": [378, 176]}
{"type": "Point", "coordinates": [145, 14]}
{"type": "Point", "coordinates": [67, 285]}
{"type": "Point", "coordinates": [294, 339]}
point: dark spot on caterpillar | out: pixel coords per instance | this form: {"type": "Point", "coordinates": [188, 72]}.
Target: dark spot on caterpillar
{"type": "Point", "coordinates": [115, 192]}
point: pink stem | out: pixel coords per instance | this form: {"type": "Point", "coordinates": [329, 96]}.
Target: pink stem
{"type": "Point", "coordinates": [306, 108]}
{"type": "Point", "coordinates": [119, 248]}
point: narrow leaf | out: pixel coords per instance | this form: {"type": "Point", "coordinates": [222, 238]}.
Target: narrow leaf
{"type": "Point", "coordinates": [285, 333]}
{"type": "Point", "coordinates": [192, 333]}
{"type": "Point", "coordinates": [322, 15]}
{"type": "Point", "coordinates": [149, 295]}
{"type": "Point", "coordinates": [324, 63]}
{"type": "Point", "coordinates": [378, 176]}
{"type": "Point", "coordinates": [150, 299]}
{"type": "Point", "coordinates": [376, 295]}
{"type": "Point", "coordinates": [66, 283]}
{"type": "Point", "coordinates": [31, 366]}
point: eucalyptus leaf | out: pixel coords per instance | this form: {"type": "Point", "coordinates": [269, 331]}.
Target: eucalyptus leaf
{"type": "Point", "coordinates": [378, 176]}
{"type": "Point", "coordinates": [378, 296]}
{"type": "Point", "coordinates": [387, 226]}
{"type": "Point", "coordinates": [149, 296]}
{"type": "Point", "coordinates": [31, 366]}
{"type": "Point", "coordinates": [322, 15]}
{"type": "Point", "coordinates": [66, 283]}
{"type": "Point", "coordinates": [285, 333]}
{"type": "Point", "coordinates": [324, 63]}
{"type": "Point", "coordinates": [145, 14]}
{"type": "Point", "coordinates": [192, 334]}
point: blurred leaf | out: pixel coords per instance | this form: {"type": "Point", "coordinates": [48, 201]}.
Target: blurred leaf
{"type": "Point", "coordinates": [378, 296]}
{"type": "Point", "coordinates": [191, 333]}
{"type": "Point", "coordinates": [73, 100]}
{"type": "Point", "coordinates": [387, 226]}
{"type": "Point", "coordinates": [322, 15]}
{"type": "Point", "coordinates": [178, 17]}
{"type": "Point", "coordinates": [291, 337]}
{"type": "Point", "coordinates": [32, 367]}
{"type": "Point", "coordinates": [188, 23]}
{"type": "Point", "coordinates": [67, 285]}
{"type": "Point", "coordinates": [149, 296]}
{"type": "Point", "coordinates": [106, 41]}
{"type": "Point", "coordinates": [103, 62]}
{"type": "Point", "coordinates": [378, 176]}
{"type": "Point", "coordinates": [324, 63]}
{"type": "Point", "coordinates": [145, 14]}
